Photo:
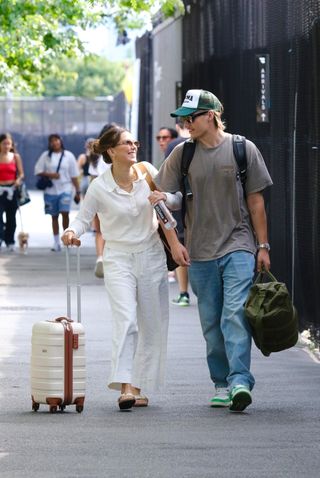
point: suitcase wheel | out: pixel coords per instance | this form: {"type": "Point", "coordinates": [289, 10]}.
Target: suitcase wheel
{"type": "Point", "coordinates": [53, 408]}
{"type": "Point", "coordinates": [35, 406]}
{"type": "Point", "coordinates": [79, 408]}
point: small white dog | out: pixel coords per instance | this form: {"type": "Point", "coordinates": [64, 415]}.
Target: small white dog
{"type": "Point", "coordinates": [23, 238]}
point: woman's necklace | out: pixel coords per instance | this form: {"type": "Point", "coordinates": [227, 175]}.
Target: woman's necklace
{"type": "Point", "coordinates": [128, 185]}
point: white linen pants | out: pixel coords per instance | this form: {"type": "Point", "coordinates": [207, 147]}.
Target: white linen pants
{"type": "Point", "coordinates": [137, 286]}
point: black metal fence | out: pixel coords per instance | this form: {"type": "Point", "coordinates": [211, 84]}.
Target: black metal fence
{"type": "Point", "coordinates": [262, 60]}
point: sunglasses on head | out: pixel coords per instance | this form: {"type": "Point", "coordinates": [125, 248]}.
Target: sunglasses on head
{"type": "Point", "coordinates": [191, 118]}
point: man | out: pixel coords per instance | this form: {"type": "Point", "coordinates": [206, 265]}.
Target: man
{"type": "Point", "coordinates": [183, 134]}
{"type": "Point", "coordinates": [183, 299]}
{"type": "Point", "coordinates": [164, 136]}
{"type": "Point", "coordinates": [225, 229]}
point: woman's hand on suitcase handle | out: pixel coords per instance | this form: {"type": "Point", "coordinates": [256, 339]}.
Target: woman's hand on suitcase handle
{"type": "Point", "coordinates": [69, 239]}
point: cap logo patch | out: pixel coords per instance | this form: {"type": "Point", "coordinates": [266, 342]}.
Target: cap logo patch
{"type": "Point", "coordinates": [192, 99]}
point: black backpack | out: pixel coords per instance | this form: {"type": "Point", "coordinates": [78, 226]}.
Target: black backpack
{"type": "Point", "coordinates": [239, 151]}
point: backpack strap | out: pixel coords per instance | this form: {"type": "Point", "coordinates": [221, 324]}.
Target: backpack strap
{"type": "Point", "coordinates": [240, 154]}
{"type": "Point", "coordinates": [187, 155]}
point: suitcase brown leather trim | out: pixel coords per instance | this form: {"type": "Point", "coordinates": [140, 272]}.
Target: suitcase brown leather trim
{"type": "Point", "coordinates": [68, 359]}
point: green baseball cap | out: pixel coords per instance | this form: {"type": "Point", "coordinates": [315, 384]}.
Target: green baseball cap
{"type": "Point", "coordinates": [197, 100]}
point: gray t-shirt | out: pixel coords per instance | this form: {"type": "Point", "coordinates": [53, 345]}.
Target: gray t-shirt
{"type": "Point", "coordinates": [217, 218]}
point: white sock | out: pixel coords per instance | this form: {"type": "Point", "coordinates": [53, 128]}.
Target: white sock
{"type": "Point", "coordinates": [99, 259]}
{"type": "Point", "coordinates": [56, 238]}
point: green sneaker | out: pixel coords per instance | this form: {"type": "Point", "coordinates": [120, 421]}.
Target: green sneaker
{"type": "Point", "coordinates": [221, 398]}
{"type": "Point", "coordinates": [183, 300]}
{"type": "Point", "coordinates": [240, 398]}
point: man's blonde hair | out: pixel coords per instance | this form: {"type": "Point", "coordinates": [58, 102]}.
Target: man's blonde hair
{"type": "Point", "coordinates": [217, 120]}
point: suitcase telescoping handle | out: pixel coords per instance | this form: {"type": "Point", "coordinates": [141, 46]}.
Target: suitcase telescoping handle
{"type": "Point", "coordinates": [78, 284]}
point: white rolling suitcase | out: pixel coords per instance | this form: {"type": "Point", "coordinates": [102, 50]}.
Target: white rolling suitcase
{"type": "Point", "coordinates": [58, 368]}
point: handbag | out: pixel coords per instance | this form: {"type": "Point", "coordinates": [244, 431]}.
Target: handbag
{"type": "Point", "coordinates": [43, 182]}
{"type": "Point", "coordinates": [271, 315]}
{"type": "Point", "coordinates": [23, 196]}
{"type": "Point", "coordinates": [171, 263]}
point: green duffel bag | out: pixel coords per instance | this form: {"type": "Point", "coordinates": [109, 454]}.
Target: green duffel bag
{"type": "Point", "coordinates": [271, 314]}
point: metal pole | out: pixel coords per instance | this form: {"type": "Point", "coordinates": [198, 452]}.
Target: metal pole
{"type": "Point", "coordinates": [293, 211]}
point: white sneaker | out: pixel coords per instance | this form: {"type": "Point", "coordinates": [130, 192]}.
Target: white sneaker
{"type": "Point", "coordinates": [221, 398]}
{"type": "Point", "coordinates": [10, 247]}
{"type": "Point", "coordinates": [56, 248]}
{"type": "Point", "coordinates": [98, 270]}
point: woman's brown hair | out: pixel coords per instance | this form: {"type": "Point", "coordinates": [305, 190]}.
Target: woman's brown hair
{"type": "Point", "coordinates": [8, 136]}
{"type": "Point", "coordinates": [109, 139]}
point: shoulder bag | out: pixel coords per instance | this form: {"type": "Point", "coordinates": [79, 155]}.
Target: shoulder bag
{"type": "Point", "coordinates": [171, 264]}
{"type": "Point", "coordinates": [43, 182]}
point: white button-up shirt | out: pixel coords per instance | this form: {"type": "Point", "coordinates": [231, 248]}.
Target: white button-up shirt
{"type": "Point", "coordinates": [128, 221]}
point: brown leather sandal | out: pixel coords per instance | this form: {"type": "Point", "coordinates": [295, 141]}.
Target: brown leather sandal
{"type": "Point", "coordinates": [141, 401]}
{"type": "Point", "coordinates": [126, 401]}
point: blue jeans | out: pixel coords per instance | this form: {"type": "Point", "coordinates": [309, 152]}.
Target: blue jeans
{"type": "Point", "coordinates": [222, 286]}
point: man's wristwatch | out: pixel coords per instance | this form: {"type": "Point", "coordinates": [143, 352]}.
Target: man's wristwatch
{"type": "Point", "coordinates": [265, 245]}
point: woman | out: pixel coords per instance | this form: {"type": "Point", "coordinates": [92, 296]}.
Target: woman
{"type": "Point", "coordinates": [98, 166]}
{"type": "Point", "coordinates": [84, 161]}
{"type": "Point", "coordinates": [135, 270]}
{"type": "Point", "coordinates": [60, 166]}
{"type": "Point", "coordinates": [11, 177]}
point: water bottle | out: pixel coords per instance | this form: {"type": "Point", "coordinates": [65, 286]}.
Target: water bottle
{"type": "Point", "coordinates": [165, 215]}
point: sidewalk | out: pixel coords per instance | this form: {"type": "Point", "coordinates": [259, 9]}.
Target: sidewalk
{"type": "Point", "coordinates": [179, 435]}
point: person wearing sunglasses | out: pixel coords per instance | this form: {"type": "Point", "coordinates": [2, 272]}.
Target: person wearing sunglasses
{"type": "Point", "coordinates": [226, 230]}
{"type": "Point", "coordinates": [134, 260]}
{"type": "Point", "coordinates": [181, 273]}
{"type": "Point", "coordinates": [164, 137]}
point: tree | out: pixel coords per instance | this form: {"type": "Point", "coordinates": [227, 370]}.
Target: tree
{"type": "Point", "coordinates": [35, 33]}
{"type": "Point", "coordinates": [87, 77]}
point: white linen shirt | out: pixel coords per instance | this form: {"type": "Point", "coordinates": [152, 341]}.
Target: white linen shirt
{"type": "Point", "coordinates": [68, 169]}
{"type": "Point", "coordinates": [128, 221]}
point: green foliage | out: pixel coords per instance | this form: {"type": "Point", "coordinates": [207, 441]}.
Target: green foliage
{"type": "Point", "coordinates": [34, 34]}
{"type": "Point", "coordinates": [87, 77]}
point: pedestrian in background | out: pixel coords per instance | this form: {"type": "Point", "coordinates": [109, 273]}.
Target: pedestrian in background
{"type": "Point", "coordinates": [183, 298]}
{"type": "Point", "coordinates": [84, 160]}
{"type": "Point", "coordinates": [225, 230]}
{"type": "Point", "coordinates": [58, 196]}
{"type": "Point", "coordinates": [11, 177]}
{"type": "Point", "coordinates": [164, 136]}
{"type": "Point", "coordinates": [135, 270]}
{"type": "Point", "coordinates": [96, 168]}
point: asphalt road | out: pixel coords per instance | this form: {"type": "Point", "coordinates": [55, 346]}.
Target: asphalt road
{"type": "Point", "coordinates": [179, 435]}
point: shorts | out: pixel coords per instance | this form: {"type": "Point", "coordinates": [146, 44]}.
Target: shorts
{"type": "Point", "coordinates": [56, 203]}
